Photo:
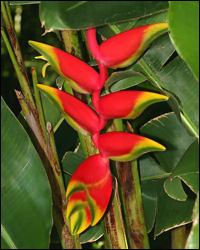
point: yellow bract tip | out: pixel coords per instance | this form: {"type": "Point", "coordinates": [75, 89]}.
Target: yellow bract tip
{"type": "Point", "coordinates": [40, 57]}
{"type": "Point", "coordinates": [44, 69]}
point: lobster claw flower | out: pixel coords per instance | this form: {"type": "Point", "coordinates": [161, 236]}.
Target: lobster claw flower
{"type": "Point", "coordinates": [127, 104]}
{"type": "Point", "coordinates": [81, 117]}
{"type": "Point", "coordinates": [125, 48]}
{"type": "Point", "coordinates": [122, 146]}
{"type": "Point", "coordinates": [82, 77]}
{"type": "Point", "coordinates": [89, 192]}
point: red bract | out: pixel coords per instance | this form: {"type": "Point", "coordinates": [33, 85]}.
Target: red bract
{"type": "Point", "coordinates": [90, 187]}
{"type": "Point", "coordinates": [81, 117]}
{"type": "Point", "coordinates": [82, 77]}
{"type": "Point", "coordinates": [89, 192]}
{"type": "Point", "coordinates": [125, 48]}
{"type": "Point", "coordinates": [122, 146]}
{"type": "Point", "coordinates": [127, 104]}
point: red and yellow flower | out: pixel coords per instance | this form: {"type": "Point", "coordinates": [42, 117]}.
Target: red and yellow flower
{"type": "Point", "coordinates": [82, 77]}
{"type": "Point", "coordinates": [81, 117]}
{"type": "Point", "coordinates": [122, 146]}
{"type": "Point", "coordinates": [125, 48]}
{"type": "Point", "coordinates": [89, 192]}
{"type": "Point", "coordinates": [127, 104]}
{"type": "Point", "coordinates": [90, 187]}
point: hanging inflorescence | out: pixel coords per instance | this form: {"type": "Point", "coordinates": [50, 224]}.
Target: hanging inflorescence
{"type": "Point", "coordinates": [90, 186]}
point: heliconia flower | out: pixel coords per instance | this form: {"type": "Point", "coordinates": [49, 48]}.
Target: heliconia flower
{"type": "Point", "coordinates": [127, 104]}
{"type": "Point", "coordinates": [82, 77]}
{"type": "Point", "coordinates": [81, 117]}
{"type": "Point", "coordinates": [89, 192]}
{"type": "Point", "coordinates": [125, 48]}
{"type": "Point", "coordinates": [122, 146]}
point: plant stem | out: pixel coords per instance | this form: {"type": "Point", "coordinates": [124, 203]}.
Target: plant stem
{"type": "Point", "coordinates": [132, 205]}
{"type": "Point", "coordinates": [53, 158]}
{"type": "Point", "coordinates": [33, 122]}
{"type": "Point", "coordinates": [178, 237]}
{"type": "Point", "coordinates": [131, 198]}
{"type": "Point", "coordinates": [71, 42]}
{"type": "Point", "coordinates": [113, 225]}
{"type": "Point", "coordinates": [16, 55]}
{"type": "Point", "coordinates": [59, 209]}
{"type": "Point", "coordinates": [38, 103]}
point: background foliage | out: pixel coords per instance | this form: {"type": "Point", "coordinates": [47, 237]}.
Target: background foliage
{"type": "Point", "coordinates": [169, 179]}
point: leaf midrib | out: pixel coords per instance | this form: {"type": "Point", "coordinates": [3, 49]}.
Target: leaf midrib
{"type": "Point", "coordinates": [5, 235]}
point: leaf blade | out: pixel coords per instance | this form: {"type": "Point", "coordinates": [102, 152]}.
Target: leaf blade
{"type": "Point", "coordinates": [26, 199]}
{"type": "Point", "coordinates": [184, 32]}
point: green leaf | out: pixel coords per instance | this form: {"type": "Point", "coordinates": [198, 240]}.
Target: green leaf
{"type": "Point", "coordinates": [174, 189]}
{"type": "Point", "coordinates": [91, 234]}
{"type": "Point", "coordinates": [187, 169]}
{"type": "Point", "coordinates": [184, 31]}
{"type": "Point", "coordinates": [149, 197]}
{"type": "Point", "coordinates": [23, 2]}
{"type": "Point", "coordinates": [72, 160]}
{"type": "Point", "coordinates": [150, 169]}
{"type": "Point", "coordinates": [121, 77]}
{"type": "Point", "coordinates": [51, 113]}
{"type": "Point", "coordinates": [168, 131]}
{"type": "Point", "coordinates": [178, 79]}
{"type": "Point", "coordinates": [170, 212]}
{"type": "Point", "coordinates": [63, 14]}
{"type": "Point", "coordinates": [26, 196]}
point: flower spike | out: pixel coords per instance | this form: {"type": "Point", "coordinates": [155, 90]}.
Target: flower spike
{"type": "Point", "coordinates": [125, 48]}
{"type": "Point", "coordinates": [89, 192]}
{"type": "Point", "coordinates": [127, 104]}
{"type": "Point", "coordinates": [81, 117]}
{"type": "Point", "coordinates": [82, 77]}
{"type": "Point", "coordinates": [122, 146]}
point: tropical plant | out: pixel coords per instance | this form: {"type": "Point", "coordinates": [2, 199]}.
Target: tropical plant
{"type": "Point", "coordinates": [127, 201]}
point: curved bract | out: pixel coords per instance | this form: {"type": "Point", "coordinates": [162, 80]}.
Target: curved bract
{"type": "Point", "coordinates": [89, 192]}
{"type": "Point", "coordinates": [82, 77]}
{"type": "Point", "coordinates": [122, 146]}
{"type": "Point", "coordinates": [125, 48]}
{"type": "Point", "coordinates": [90, 187]}
{"type": "Point", "coordinates": [127, 104]}
{"type": "Point", "coordinates": [81, 117]}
